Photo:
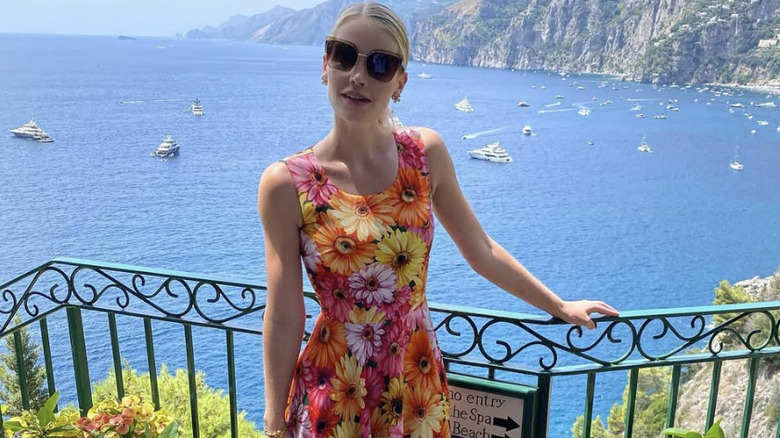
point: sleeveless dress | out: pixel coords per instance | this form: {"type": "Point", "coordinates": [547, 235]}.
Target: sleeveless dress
{"type": "Point", "coordinates": [372, 367]}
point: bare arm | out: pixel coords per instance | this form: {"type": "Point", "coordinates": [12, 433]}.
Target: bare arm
{"type": "Point", "coordinates": [283, 322]}
{"type": "Point", "coordinates": [484, 255]}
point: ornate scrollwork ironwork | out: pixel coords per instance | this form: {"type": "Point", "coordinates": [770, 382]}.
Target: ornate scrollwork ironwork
{"type": "Point", "coordinates": [509, 342]}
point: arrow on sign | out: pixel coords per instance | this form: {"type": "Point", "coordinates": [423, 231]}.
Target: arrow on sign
{"type": "Point", "coordinates": [507, 423]}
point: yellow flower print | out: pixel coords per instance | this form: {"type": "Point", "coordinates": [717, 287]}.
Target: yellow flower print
{"type": "Point", "coordinates": [309, 214]}
{"type": "Point", "coordinates": [405, 253]}
{"type": "Point", "coordinates": [423, 412]}
{"type": "Point", "coordinates": [347, 429]}
{"type": "Point", "coordinates": [348, 389]}
{"type": "Point", "coordinates": [367, 216]}
{"type": "Point", "coordinates": [392, 401]}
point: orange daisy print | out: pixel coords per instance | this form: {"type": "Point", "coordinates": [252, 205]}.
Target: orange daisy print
{"type": "Point", "coordinates": [341, 251]}
{"type": "Point", "coordinates": [420, 367]}
{"type": "Point", "coordinates": [328, 343]}
{"type": "Point", "coordinates": [366, 216]}
{"type": "Point", "coordinates": [409, 198]}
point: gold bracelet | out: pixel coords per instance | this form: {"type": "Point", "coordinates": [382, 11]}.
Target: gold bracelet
{"type": "Point", "coordinates": [274, 433]}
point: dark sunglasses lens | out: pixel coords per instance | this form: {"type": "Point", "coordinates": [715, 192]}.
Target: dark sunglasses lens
{"type": "Point", "coordinates": [382, 66]}
{"type": "Point", "coordinates": [341, 56]}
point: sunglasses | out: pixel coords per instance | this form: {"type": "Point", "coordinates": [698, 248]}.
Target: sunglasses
{"type": "Point", "coordinates": [343, 55]}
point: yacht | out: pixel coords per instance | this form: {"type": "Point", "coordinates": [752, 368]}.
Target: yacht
{"type": "Point", "coordinates": [523, 104]}
{"type": "Point", "coordinates": [464, 105]}
{"type": "Point", "coordinates": [492, 152]}
{"type": "Point", "coordinates": [763, 122]}
{"type": "Point", "coordinates": [584, 111]}
{"type": "Point", "coordinates": [637, 107]}
{"type": "Point", "coordinates": [168, 148]}
{"type": "Point", "coordinates": [660, 116]}
{"type": "Point", "coordinates": [736, 165]}
{"type": "Point", "coordinates": [423, 75]}
{"type": "Point", "coordinates": [737, 105]}
{"type": "Point", "coordinates": [32, 131]}
{"type": "Point", "coordinates": [527, 130]}
{"type": "Point", "coordinates": [643, 147]}
{"type": "Point", "coordinates": [640, 115]}
{"type": "Point", "coordinates": [196, 108]}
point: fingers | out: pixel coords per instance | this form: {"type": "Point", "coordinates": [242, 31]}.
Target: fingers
{"type": "Point", "coordinates": [602, 308]}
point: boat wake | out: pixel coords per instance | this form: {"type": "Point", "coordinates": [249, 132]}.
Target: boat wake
{"type": "Point", "coordinates": [132, 101]}
{"type": "Point", "coordinates": [556, 110]}
{"type": "Point", "coordinates": [633, 99]}
{"type": "Point", "coordinates": [477, 134]}
{"type": "Point", "coordinates": [550, 105]}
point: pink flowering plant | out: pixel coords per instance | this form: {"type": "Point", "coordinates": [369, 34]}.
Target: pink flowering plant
{"type": "Point", "coordinates": [129, 418]}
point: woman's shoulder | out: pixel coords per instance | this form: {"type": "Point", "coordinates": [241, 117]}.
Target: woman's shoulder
{"type": "Point", "coordinates": [425, 137]}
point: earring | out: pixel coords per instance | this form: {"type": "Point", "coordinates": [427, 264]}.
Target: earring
{"type": "Point", "coordinates": [396, 97]}
{"type": "Point", "coordinates": [324, 80]}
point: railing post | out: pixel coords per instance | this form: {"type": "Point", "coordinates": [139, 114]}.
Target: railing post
{"type": "Point", "coordinates": [79, 351]}
{"type": "Point", "coordinates": [20, 370]}
{"type": "Point", "coordinates": [541, 419]}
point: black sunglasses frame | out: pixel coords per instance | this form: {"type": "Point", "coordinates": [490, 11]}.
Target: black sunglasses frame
{"type": "Point", "coordinates": [330, 44]}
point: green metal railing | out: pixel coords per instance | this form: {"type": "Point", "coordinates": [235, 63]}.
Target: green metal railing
{"type": "Point", "coordinates": [495, 345]}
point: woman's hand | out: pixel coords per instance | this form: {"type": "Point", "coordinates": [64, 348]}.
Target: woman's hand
{"type": "Point", "coordinates": [578, 312]}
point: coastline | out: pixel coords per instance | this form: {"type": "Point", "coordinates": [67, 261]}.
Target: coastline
{"type": "Point", "coordinates": [770, 87]}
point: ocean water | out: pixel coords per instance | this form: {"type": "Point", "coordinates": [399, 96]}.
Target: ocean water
{"type": "Point", "coordinates": [601, 220]}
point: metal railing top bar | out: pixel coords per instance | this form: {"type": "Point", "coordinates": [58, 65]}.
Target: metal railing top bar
{"type": "Point", "coordinates": [483, 338]}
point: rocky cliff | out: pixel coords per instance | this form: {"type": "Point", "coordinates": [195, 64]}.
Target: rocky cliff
{"type": "Point", "coordinates": [656, 40]}
{"type": "Point", "coordinates": [241, 27]}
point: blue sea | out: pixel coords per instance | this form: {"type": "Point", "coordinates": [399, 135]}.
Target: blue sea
{"type": "Point", "coordinates": [601, 220]}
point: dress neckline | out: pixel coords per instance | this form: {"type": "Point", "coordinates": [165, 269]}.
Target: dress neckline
{"type": "Point", "coordinates": [348, 193]}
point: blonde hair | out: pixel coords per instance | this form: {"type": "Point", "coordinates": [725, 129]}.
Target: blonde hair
{"type": "Point", "coordinates": [387, 20]}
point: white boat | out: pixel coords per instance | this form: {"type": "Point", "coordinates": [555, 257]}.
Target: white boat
{"type": "Point", "coordinates": [559, 96]}
{"type": "Point", "coordinates": [168, 148]}
{"type": "Point", "coordinates": [763, 122]}
{"type": "Point", "coordinates": [527, 130]}
{"type": "Point", "coordinates": [584, 111]}
{"type": "Point", "coordinates": [736, 165]}
{"type": "Point", "coordinates": [737, 105]}
{"type": "Point", "coordinates": [196, 108]}
{"type": "Point", "coordinates": [32, 131]}
{"type": "Point", "coordinates": [637, 107]}
{"type": "Point", "coordinates": [523, 104]}
{"type": "Point", "coordinates": [643, 147]}
{"type": "Point", "coordinates": [423, 75]}
{"type": "Point", "coordinates": [464, 105]}
{"type": "Point", "coordinates": [770, 104]}
{"type": "Point", "coordinates": [640, 115]}
{"type": "Point", "coordinates": [660, 116]}
{"type": "Point", "coordinates": [492, 152]}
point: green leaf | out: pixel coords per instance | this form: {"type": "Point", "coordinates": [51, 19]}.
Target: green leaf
{"type": "Point", "coordinates": [681, 433]}
{"type": "Point", "coordinates": [3, 409]}
{"type": "Point", "coordinates": [715, 431]}
{"type": "Point", "coordinates": [51, 403]}
{"type": "Point", "coordinates": [45, 416]}
{"type": "Point", "coordinates": [172, 431]}
{"type": "Point", "coordinates": [13, 426]}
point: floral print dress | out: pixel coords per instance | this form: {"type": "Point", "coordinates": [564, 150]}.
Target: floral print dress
{"type": "Point", "coordinates": [372, 367]}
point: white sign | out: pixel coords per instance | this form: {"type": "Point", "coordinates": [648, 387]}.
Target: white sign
{"type": "Point", "coordinates": [481, 414]}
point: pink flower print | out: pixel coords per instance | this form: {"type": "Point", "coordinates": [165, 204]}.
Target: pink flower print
{"type": "Point", "coordinates": [311, 258]}
{"type": "Point", "coordinates": [394, 344]}
{"type": "Point", "coordinates": [320, 388]}
{"type": "Point", "coordinates": [400, 303]}
{"type": "Point", "coordinates": [299, 424]}
{"type": "Point", "coordinates": [310, 178]}
{"type": "Point", "coordinates": [364, 333]}
{"type": "Point", "coordinates": [375, 385]}
{"type": "Point", "coordinates": [413, 319]}
{"type": "Point", "coordinates": [374, 284]}
{"type": "Point", "coordinates": [425, 232]}
{"type": "Point", "coordinates": [410, 152]}
{"type": "Point", "coordinates": [335, 295]}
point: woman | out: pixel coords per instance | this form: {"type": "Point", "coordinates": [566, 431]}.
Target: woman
{"type": "Point", "coordinates": [357, 208]}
